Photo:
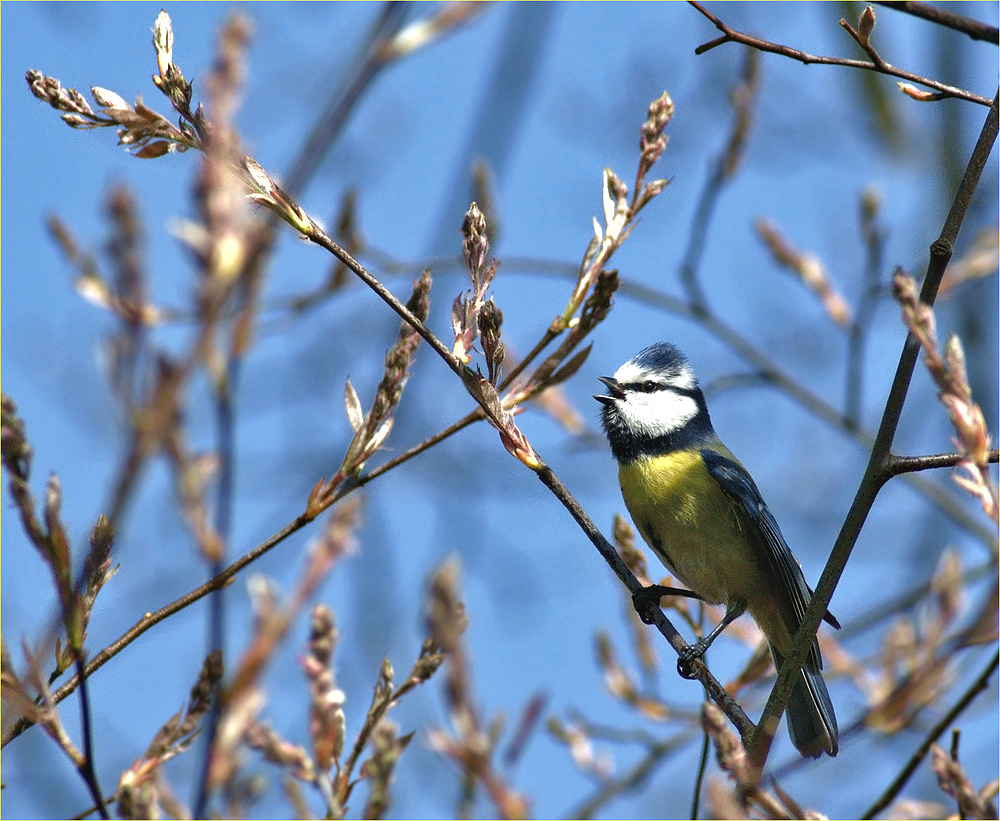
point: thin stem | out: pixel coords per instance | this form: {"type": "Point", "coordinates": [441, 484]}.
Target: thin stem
{"type": "Point", "coordinates": [87, 769]}
{"type": "Point", "coordinates": [857, 336]}
{"type": "Point", "coordinates": [898, 465]}
{"type": "Point", "coordinates": [866, 46]}
{"type": "Point", "coordinates": [317, 236]}
{"type": "Point", "coordinates": [707, 201]}
{"type": "Point", "coordinates": [722, 167]}
{"type": "Point", "coordinates": [700, 779]}
{"type": "Point", "coordinates": [225, 413]}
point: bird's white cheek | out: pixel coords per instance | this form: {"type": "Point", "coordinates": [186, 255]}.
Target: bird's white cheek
{"type": "Point", "coordinates": [658, 414]}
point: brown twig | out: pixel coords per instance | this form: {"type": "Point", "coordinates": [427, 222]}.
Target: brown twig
{"type": "Point", "coordinates": [730, 35]}
{"type": "Point", "coordinates": [898, 465]}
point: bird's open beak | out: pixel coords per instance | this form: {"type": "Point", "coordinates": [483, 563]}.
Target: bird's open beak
{"type": "Point", "coordinates": [613, 388]}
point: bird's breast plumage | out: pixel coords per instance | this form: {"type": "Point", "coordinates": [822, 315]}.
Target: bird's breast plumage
{"type": "Point", "coordinates": [691, 524]}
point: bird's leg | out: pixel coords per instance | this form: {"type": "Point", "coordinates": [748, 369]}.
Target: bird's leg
{"type": "Point", "coordinates": [700, 647]}
{"type": "Point", "coordinates": [646, 600]}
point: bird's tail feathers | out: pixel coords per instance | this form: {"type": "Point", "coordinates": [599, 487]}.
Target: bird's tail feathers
{"type": "Point", "coordinates": [812, 723]}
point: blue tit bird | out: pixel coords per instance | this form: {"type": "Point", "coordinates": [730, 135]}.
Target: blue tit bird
{"type": "Point", "coordinates": [700, 511]}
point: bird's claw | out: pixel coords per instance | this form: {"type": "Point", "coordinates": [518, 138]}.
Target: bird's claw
{"type": "Point", "coordinates": [685, 657]}
{"type": "Point", "coordinates": [646, 601]}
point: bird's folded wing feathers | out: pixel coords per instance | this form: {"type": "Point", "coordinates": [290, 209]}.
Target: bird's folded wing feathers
{"type": "Point", "coordinates": [739, 486]}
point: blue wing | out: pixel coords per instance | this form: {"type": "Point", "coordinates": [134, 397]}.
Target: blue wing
{"type": "Point", "coordinates": [739, 486]}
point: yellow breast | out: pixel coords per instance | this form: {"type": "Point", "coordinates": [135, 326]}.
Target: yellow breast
{"type": "Point", "coordinates": [690, 523]}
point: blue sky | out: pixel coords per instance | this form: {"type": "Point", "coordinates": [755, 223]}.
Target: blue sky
{"type": "Point", "coordinates": [549, 95]}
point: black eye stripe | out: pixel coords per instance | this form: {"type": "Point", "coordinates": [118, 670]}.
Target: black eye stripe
{"type": "Point", "coordinates": [650, 386]}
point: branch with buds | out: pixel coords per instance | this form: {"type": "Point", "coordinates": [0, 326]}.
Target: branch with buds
{"type": "Point", "coordinates": [948, 370]}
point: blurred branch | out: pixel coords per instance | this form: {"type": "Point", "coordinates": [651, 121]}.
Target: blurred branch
{"type": "Point", "coordinates": [877, 64]}
{"type": "Point", "coordinates": [949, 19]}
{"type": "Point", "coordinates": [389, 40]}
{"type": "Point", "coordinates": [655, 753]}
{"type": "Point", "coordinates": [873, 236]}
{"type": "Point", "coordinates": [365, 66]}
{"type": "Point", "coordinates": [980, 684]}
{"type": "Point", "coordinates": [723, 168]}
{"type": "Point", "coordinates": [876, 473]}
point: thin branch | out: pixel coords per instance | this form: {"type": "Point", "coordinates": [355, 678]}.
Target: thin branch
{"type": "Point", "coordinates": [225, 432]}
{"type": "Point", "coordinates": [87, 770]}
{"type": "Point", "coordinates": [366, 65]}
{"type": "Point", "coordinates": [321, 239]}
{"type": "Point", "coordinates": [151, 619]}
{"type": "Point", "coordinates": [874, 238]}
{"type": "Point", "coordinates": [980, 684]}
{"type": "Point", "coordinates": [722, 169]}
{"type": "Point", "coordinates": [897, 465]}
{"type": "Point", "coordinates": [730, 35]}
{"type": "Point", "coordinates": [975, 29]}
{"type": "Point", "coordinates": [702, 769]}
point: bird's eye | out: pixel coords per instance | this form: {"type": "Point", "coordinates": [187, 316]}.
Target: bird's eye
{"type": "Point", "coordinates": [648, 386]}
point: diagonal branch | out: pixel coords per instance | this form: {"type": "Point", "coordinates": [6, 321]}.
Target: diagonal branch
{"type": "Point", "coordinates": [878, 470]}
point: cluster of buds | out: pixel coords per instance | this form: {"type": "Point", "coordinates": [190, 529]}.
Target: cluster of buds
{"type": "Point", "coordinates": [139, 794]}
{"type": "Point", "coordinates": [652, 140]}
{"type": "Point", "coordinates": [143, 130]}
{"type": "Point", "coordinates": [169, 78]}
{"type": "Point", "coordinates": [467, 310]}
{"type": "Point", "coordinates": [955, 781]}
{"type": "Point", "coordinates": [474, 316]}
{"type": "Point", "coordinates": [745, 796]}
{"type": "Point", "coordinates": [49, 536]}
{"type": "Point", "coordinates": [371, 429]}
{"type": "Point", "coordinates": [326, 713]}
{"type": "Point", "coordinates": [949, 373]}
{"type": "Point", "coordinates": [470, 742]}
{"type": "Point", "coordinates": [30, 698]}
{"type": "Point", "coordinates": [148, 133]}
{"type": "Point", "coordinates": [292, 757]}
{"type": "Point", "coordinates": [266, 192]}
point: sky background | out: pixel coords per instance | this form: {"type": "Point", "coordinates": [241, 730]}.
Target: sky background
{"type": "Point", "coordinates": [548, 96]}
